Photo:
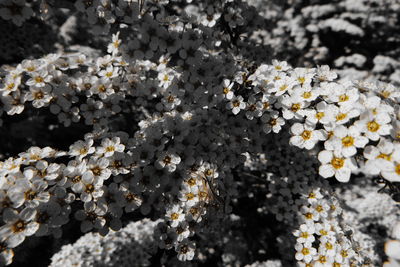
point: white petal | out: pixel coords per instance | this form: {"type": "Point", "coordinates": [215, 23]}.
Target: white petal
{"type": "Point", "coordinates": [297, 128]}
{"type": "Point", "coordinates": [343, 175]}
{"type": "Point", "coordinates": [297, 141]}
{"type": "Point", "coordinates": [325, 156]}
{"type": "Point", "coordinates": [326, 170]}
{"type": "Point", "coordinates": [392, 249]}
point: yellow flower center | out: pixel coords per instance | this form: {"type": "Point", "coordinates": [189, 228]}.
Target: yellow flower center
{"type": "Point", "coordinates": [102, 88]}
{"type": "Point", "coordinates": [174, 216]}
{"type": "Point", "coordinates": [193, 210]}
{"type": "Point", "coordinates": [38, 95]}
{"type": "Point", "coordinates": [385, 94]}
{"type": "Point", "coordinates": [397, 169]}
{"type": "Point", "coordinates": [110, 149]}
{"type": "Point", "coordinates": [39, 79]}
{"type": "Point", "coordinates": [341, 116]}
{"type": "Point", "coordinates": [322, 259]}
{"type": "Point", "coordinates": [323, 232]}
{"type": "Point", "coordinates": [344, 253]}
{"type": "Point", "coordinates": [89, 188]}
{"type": "Point", "coordinates": [319, 208]}
{"type": "Point", "coordinates": [76, 179]}
{"type": "Point", "coordinates": [337, 163]}
{"type": "Point", "coordinates": [308, 215]}
{"type": "Point", "coordinates": [343, 98]}
{"type": "Point", "coordinates": [307, 95]}
{"type": "Point", "coordinates": [283, 87]}
{"type": "Point", "coordinates": [170, 99]}
{"type": "Point", "coordinates": [96, 170]}
{"type": "Point", "coordinates": [328, 246]}
{"type": "Point", "coordinates": [387, 157]}
{"type": "Point", "coordinates": [347, 141]}
{"type": "Point", "coordinates": [18, 226]}
{"type": "Point", "coordinates": [167, 160]}
{"type": "Point", "coordinates": [236, 103]}
{"type": "Point", "coordinates": [203, 195]}
{"type": "Point", "coordinates": [295, 107]}
{"type": "Point", "coordinates": [226, 90]}
{"type": "Point", "coordinates": [306, 135]}
{"type": "Point", "coordinates": [10, 86]}
{"type": "Point", "coordinates": [191, 182]}
{"type": "Point", "coordinates": [301, 80]}
{"type": "Point", "coordinates": [319, 115]}
{"type": "Point", "coordinates": [189, 196]}
{"type": "Point", "coordinates": [373, 126]}
{"type": "Point", "coordinates": [304, 235]}
{"type": "Point", "coordinates": [305, 251]}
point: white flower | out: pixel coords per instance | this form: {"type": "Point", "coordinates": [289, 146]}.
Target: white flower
{"type": "Point", "coordinates": [226, 88]}
{"type": "Point", "coordinates": [109, 72]}
{"type": "Point", "coordinates": [374, 126]}
{"type": "Point", "coordinates": [346, 140]}
{"type": "Point", "coordinates": [303, 76]}
{"type": "Point", "coordinates": [344, 252]}
{"type": "Point", "coordinates": [304, 252]}
{"type": "Point", "coordinates": [110, 146]}
{"type": "Point", "coordinates": [272, 122]}
{"type": "Point", "coordinates": [305, 136]}
{"type": "Point", "coordinates": [189, 195]}
{"type": "Point", "coordinates": [18, 226]}
{"type": "Point", "coordinates": [343, 94]}
{"type": "Point", "coordinates": [236, 104]}
{"type": "Point", "coordinates": [283, 85]}
{"type": "Point", "coordinates": [324, 74]}
{"type": "Point", "coordinates": [40, 96]}
{"type": "Point", "coordinates": [280, 65]}
{"type": "Point", "coordinates": [185, 250]}
{"type": "Point", "coordinates": [324, 232]}
{"type": "Point", "coordinates": [175, 215]}
{"type": "Point", "coordinates": [333, 164]}
{"type": "Point", "coordinates": [81, 149]}
{"type": "Point", "coordinates": [39, 79]}
{"type": "Point", "coordinates": [305, 234]}
{"type": "Point", "coordinates": [29, 193]}
{"type": "Point", "coordinates": [391, 171]}
{"type": "Point", "coordinates": [342, 114]}
{"type": "Point", "coordinates": [319, 114]}
{"type": "Point", "coordinates": [379, 156]}
{"type": "Point", "coordinates": [168, 161]}
{"type": "Point", "coordinates": [113, 47]}
{"type": "Point", "coordinates": [99, 168]}
{"type": "Point", "coordinates": [293, 107]}
{"type": "Point", "coordinates": [254, 108]}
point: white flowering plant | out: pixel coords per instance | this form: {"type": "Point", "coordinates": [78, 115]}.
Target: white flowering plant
{"type": "Point", "coordinates": [162, 120]}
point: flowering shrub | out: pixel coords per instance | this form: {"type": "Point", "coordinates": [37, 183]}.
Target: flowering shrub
{"type": "Point", "coordinates": [175, 119]}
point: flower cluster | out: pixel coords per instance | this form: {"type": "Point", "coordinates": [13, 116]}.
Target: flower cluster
{"type": "Point", "coordinates": [175, 116]}
{"type": "Point", "coordinates": [133, 246]}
